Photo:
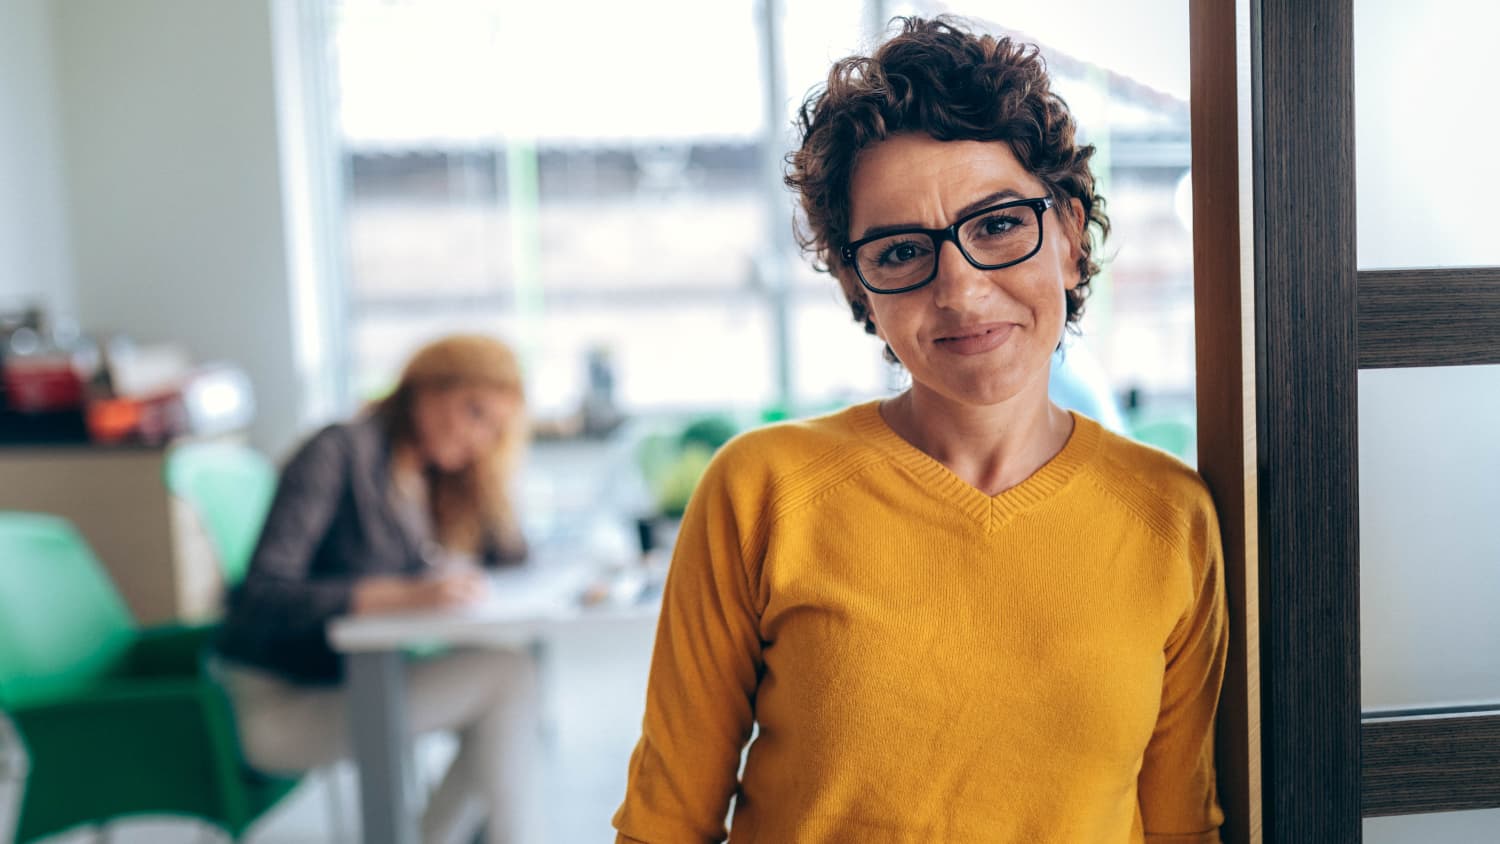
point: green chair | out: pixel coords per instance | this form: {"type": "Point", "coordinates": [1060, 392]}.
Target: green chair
{"type": "Point", "coordinates": [231, 487]}
{"type": "Point", "coordinates": [116, 719]}
{"type": "Point", "coordinates": [1177, 437]}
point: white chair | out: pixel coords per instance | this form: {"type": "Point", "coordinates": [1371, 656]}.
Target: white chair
{"type": "Point", "coordinates": [13, 768]}
{"type": "Point", "coordinates": [144, 829]}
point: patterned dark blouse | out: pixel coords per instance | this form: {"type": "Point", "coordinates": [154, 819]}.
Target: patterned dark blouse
{"type": "Point", "coordinates": [332, 522]}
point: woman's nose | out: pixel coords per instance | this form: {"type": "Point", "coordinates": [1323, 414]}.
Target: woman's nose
{"type": "Point", "coordinates": [958, 283]}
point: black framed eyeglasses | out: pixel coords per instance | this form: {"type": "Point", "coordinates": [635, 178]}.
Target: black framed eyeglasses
{"type": "Point", "coordinates": [991, 238]}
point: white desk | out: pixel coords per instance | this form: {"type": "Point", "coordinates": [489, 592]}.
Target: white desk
{"type": "Point", "coordinates": [526, 608]}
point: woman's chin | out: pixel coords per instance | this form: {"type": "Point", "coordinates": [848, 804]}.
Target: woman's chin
{"type": "Point", "coordinates": [447, 463]}
{"type": "Point", "coordinates": [978, 389]}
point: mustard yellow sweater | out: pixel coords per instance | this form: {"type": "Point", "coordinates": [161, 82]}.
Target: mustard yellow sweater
{"type": "Point", "coordinates": [926, 663]}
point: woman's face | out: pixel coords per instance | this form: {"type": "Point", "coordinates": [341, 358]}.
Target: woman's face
{"type": "Point", "coordinates": [456, 426]}
{"type": "Point", "coordinates": [977, 337]}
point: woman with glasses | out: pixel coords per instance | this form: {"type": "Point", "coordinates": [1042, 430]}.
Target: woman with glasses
{"type": "Point", "coordinates": [960, 614]}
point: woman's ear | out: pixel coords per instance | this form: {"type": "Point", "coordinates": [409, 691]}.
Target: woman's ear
{"type": "Point", "coordinates": [859, 307]}
{"type": "Point", "coordinates": [1077, 237]}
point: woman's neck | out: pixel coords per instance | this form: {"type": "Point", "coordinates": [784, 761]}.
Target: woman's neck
{"type": "Point", "coordinates": [408, 469]}
{"type": "Point", "coordinates": [990, 447]}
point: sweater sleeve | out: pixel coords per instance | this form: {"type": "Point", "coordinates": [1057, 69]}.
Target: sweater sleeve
{"type": "Point", "coordinates": [704, 672]}
{"type": "Point", "coordinates": [278, 600]}
{"type": "Point", "coordinates": [1178, 799]}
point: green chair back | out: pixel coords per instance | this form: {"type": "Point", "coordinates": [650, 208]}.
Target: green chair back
{"type": "Point", "coordinates": [62, 624]}
{"type": "Point", "coordinates": [1174, 436]}
{"type": "Point", "coordinates": [230, 487]}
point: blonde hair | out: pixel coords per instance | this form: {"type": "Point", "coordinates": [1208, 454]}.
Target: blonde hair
{"type": "Point", "coordinates": [473, 504]}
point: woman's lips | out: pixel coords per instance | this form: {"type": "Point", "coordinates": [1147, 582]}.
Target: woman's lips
{"type": "Point", "coordinates": [977, 339]}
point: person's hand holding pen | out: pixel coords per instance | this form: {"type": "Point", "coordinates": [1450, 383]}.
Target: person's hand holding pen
{"type": "Point", "coordinates": [441, 590]}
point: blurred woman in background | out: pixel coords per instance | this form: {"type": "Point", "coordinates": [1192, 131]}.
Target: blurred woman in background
{"type": "Point", "coordinates": [400, 509]}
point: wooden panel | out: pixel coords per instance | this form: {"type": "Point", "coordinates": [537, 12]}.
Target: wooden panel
{"type": "Point", "coordinates": [1430, 764]}
{"type": "Point", "coordinates": [1223, 296]}
{"type": "Point", "coordinates": [1446, 317]}
{"type": "Point", "coordinates": [1307, 422]}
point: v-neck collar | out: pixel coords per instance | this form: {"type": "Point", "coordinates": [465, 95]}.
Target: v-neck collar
{"type": "Point", "coordinates": [989, 511]}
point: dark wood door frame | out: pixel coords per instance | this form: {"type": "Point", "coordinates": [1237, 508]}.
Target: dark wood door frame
{"type": "Point", "coordinates": [1223, 283]}
{"type": "Point", "coordinates": [1303, 762]}
{"type": "Point", "coordinates": [1307, 358]}
{"type": "Point", "coordinates": [1446, 317]}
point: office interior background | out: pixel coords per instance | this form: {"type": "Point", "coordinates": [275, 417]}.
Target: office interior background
{"type": "Point", "coordinates": [285, 198]}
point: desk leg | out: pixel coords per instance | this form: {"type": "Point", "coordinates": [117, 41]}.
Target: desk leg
{"type": "Point", "coordinates": [377, 715]}
{"type": "Point", "coordinates": [540, 651]}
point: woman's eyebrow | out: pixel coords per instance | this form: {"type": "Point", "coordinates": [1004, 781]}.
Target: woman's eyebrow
{"type": "Point", "coordinates": [1002, 195]}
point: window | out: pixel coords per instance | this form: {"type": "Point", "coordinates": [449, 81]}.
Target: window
{"type": "Point", "coordinates": [589, 193]}
{"type": "Point", "coordinates": [625, 213]}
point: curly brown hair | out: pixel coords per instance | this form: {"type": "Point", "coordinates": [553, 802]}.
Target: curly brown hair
{"type": "Point", "coordinates": [937, 77]}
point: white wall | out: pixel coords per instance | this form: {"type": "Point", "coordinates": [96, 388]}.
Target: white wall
{"type": "Point", "coordinates": [35, 265]}
{"type": "Point", "coordinates": [169, 128]}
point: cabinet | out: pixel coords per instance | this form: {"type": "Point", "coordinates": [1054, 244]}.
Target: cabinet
{"type": "Point", "coordinates": [151, 542]}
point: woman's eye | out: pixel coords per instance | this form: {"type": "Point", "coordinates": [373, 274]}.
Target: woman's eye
{"type": "Point", "coordinates": [999, 224]}
{"type": "Point", "coordinates": [899, 253]}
